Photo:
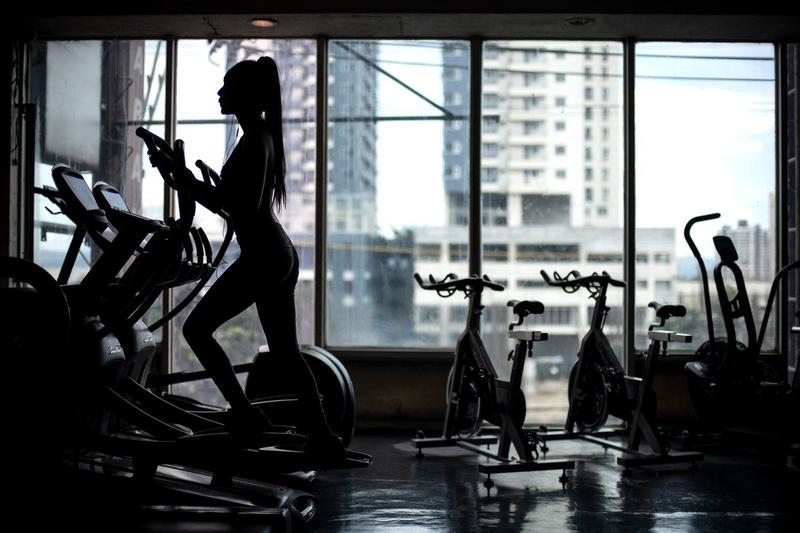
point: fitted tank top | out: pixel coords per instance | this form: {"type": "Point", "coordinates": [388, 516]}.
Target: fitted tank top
{"type": "Point", "coordinates": [247, 188]}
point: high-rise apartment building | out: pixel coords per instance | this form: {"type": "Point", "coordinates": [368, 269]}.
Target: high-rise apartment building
{"type": "Point", "coordinates": [550, 133]}
{"type": "Point", "coordinates": [754, 247]}
{"type": "Point", "coordinates": [551, 177]}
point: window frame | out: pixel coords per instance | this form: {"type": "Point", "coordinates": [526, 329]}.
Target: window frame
{"type": "Point", "coordinates": [474, 246]}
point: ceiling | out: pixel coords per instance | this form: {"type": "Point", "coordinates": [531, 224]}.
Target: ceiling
{"type": "Point", "coordinates": [411, 19]}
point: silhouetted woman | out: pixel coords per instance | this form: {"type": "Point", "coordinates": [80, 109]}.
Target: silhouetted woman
{"type": "Point", "coordinates": [252, 187]}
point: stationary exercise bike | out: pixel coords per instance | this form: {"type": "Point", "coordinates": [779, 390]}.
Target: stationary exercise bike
{"type": "Point", "coordinates": [599, 386]}
{"type": "Point", "coordinates": [475, 394]}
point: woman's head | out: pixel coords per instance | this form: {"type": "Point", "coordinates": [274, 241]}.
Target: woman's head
{"type": "Point", "coordinates": [251, 86]}
{"type": "Point", "coordinates": [254, 87]}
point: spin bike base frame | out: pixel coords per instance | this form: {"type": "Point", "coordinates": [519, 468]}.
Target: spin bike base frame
{"type": "Point", "coordinates": [640, 425]}
{"type": "Point", "coordinates": [470, 346]}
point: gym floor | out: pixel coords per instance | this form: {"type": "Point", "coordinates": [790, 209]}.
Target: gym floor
{"type": "Point", "coordinates": [444, 492]}
{"type": "Point", "coordinates": [398, 493]}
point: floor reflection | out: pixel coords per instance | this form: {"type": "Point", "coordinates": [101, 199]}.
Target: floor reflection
{"type": "Point", "coordinates": [445, 492]}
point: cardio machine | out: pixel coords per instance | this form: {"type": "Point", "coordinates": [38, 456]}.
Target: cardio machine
{"type": "Point", "coordinates": [197, 433]}
{"type": "Point", "coordinates": [475, 394]}
{"type": "Point", "coordinates": [730, 380]}
{"type": "Point", "coordinates": [267, 385]}
{"type": "Point", "coordinates": [46, 334]}
{"type": "Point", "coordinates": [599, 387]}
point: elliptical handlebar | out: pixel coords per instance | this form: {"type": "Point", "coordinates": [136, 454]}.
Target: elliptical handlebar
{"type": "Point", "coordinates": [451, 283]}
{"type": "Point", "coordinates": [209, 175]}
{"type": "Point", "coordinates": [574, 281]}
{"type": "Point", "coordinates": [164, 155]}
{"type": "Point", "coordinates": [773, 291]}
{"type": "Point", "coordinates": [687, 235]}
{"type": "Point", "coordinates": [154, 142]}
{"type": "Point", "coordinates": [694, 220]}
{"type": "Point", "coordinates": [168, 159]}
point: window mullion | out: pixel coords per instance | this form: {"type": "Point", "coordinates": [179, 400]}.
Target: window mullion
{"type": "Point", "coordinates": [629, 197]}
{"type": "Point", "coordinates": [170, 125]}
{"type": "Point", "coordinates": [475, 70]}
{"type": "Point", "coordinates": [321, 191]}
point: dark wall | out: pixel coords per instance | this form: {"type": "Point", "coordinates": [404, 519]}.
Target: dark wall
{"type": "Point", "coordinates": [5, 160]}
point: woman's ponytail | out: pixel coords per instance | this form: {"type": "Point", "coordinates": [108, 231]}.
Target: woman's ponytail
{"type": "Point", "coordinates": [272, 106]}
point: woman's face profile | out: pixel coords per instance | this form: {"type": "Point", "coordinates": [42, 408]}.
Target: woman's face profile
{"type": "Point", "coordinates": [226, 97]}
{"type": "Point", "coordinates": [233, 95]}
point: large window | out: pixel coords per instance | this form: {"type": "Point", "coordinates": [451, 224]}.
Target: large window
{"type": "Point", "coordinates": [89, 98]}
{"type": "Point", "coordinates": [556, 215]}
{"type": "Point", "coordinates": [397, 181]}
{"type": "Point", "coordinates": [397, 191]}
{"type": "Point", "coordinates": [211, 137]}
{"type": "Point", "coordinates": [705, 143]}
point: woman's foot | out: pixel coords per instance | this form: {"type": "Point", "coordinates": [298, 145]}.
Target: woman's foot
{"type": "Point", "coordinates": [250, 423]}
{"type": "Point", "coordinates": [326, 446]}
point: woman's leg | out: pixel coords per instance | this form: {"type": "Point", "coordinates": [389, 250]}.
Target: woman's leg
{"type": "Point", "coordinates": [228, 297]}
{"type": "Point", "coordinates": [276, 309]}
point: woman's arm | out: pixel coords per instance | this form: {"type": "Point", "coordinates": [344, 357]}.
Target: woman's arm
{"type": "Point", "coordinates": [204, 193]}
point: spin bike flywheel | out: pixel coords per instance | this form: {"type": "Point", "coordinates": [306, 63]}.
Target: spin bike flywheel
{"type": "Point", "coordinates": [590, 405]}
{"type": "Point", "coordinates": [468, 415]}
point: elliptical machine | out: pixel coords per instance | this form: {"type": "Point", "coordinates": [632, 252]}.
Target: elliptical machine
{"type": "Point", "coordinates": [268, 385]}
{"type": "Point", "coordinates": [197, 432]}
{"type": "Point", "coordinates": [728, 380]}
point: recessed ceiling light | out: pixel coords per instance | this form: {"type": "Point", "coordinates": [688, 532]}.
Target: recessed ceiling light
{"type": "Point", "coordinates": [579, 21]}
{"type": "Point", "coordinates": [263, 22]}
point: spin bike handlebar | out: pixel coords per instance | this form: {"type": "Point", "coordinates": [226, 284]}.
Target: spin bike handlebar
{"type": "Point", "coordinates": [573, 281]}
{"type": "Point", "coordinates": [452, 283]}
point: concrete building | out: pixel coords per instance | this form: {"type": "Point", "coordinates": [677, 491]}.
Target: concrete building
{"type": "Point", "coordinates": [755, 248]}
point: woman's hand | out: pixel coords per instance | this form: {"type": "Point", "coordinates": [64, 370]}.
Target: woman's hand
{"type": "Point", "coordinates": [161, 161]}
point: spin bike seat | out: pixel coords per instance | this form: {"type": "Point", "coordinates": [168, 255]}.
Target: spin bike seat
{"type": "Point", "coordinates": [523, 308]}
{"type": "Point", "coordinates": [666, 311]}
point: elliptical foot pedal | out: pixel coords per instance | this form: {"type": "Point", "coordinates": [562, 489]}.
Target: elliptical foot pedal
{"type": "Point", "coordinates": [296, 460]}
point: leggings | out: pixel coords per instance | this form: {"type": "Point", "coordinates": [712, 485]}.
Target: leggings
{"type": "Point", "coordinates": [269, 282]}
